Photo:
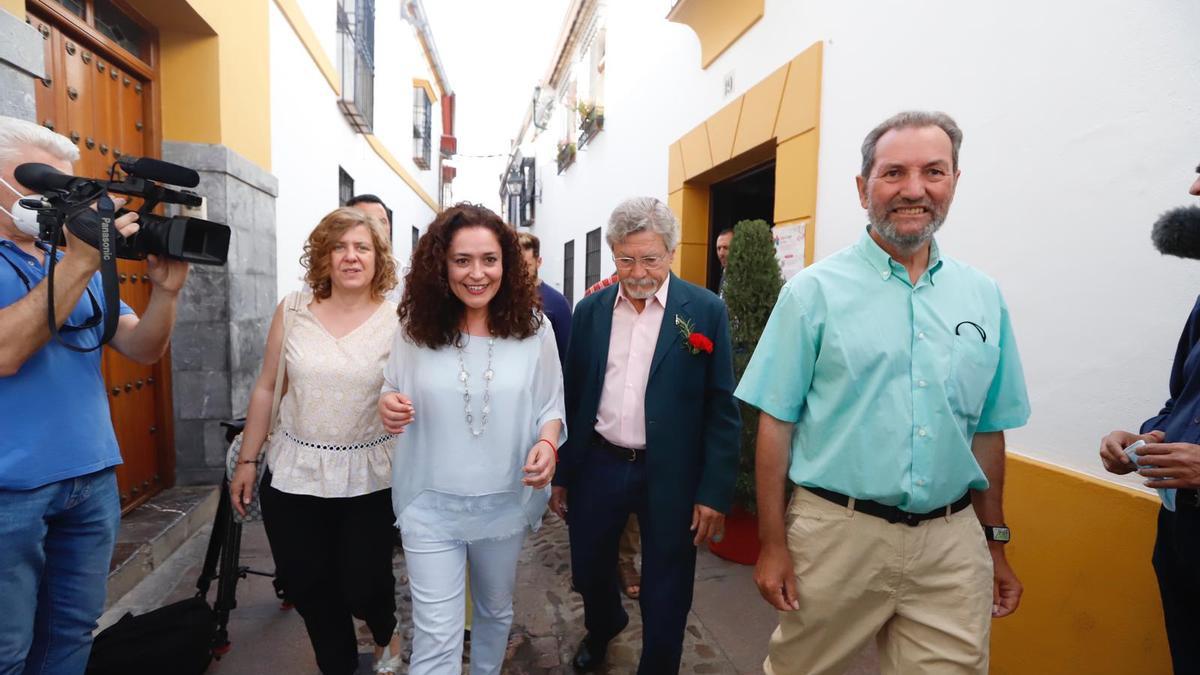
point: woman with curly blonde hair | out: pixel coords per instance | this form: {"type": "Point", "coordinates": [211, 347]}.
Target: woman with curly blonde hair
{"type": "Point", "coordinates": [326, 493]}
{"type": "Point", "coordinates": [475, 384]}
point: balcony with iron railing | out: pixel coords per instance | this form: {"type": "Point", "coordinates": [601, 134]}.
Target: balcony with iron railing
{"type": "Point", "coordinates": [356, 56]}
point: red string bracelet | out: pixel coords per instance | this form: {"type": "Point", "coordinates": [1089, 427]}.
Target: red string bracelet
{"type": "Point", "coordinates": [547, 442]}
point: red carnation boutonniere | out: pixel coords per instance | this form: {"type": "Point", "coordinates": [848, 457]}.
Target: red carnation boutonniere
{"type": "Point", "coordinates": [693, 341]}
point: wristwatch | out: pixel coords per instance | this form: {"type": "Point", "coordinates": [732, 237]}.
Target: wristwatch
{"type": "Point", "coordinates": [999, 533]}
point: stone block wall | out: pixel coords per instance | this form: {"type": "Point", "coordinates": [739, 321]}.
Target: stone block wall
{"type": "Point", "coordinates": [21, 60]}
{"type": "Point", "coordinates": [224, 312]}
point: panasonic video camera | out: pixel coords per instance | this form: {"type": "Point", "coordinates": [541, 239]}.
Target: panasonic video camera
{"type": "Point", "coordinates": [68, 199]}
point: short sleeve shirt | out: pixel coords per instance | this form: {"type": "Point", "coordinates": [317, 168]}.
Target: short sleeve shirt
{"type": "Point", "coordinates": [887, 381]}
{"type": "Point", "coordinates": [55, 410]}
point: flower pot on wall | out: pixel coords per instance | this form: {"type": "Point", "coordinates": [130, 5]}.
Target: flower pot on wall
{"type": "Point", "coordinates": [740, 543]}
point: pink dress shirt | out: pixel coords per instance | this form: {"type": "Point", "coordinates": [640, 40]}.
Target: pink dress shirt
{"type": "Point", "coordinates": [621, 417]}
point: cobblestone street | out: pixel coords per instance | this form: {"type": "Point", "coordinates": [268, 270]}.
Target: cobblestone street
{"type": "Point", "coordinates": [549, 618]}
{"type": "Point", "coordinates": [727, 629]}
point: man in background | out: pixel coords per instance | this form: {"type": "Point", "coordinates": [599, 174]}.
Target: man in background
{"type": "Point", "coordinates": [374, 206]}
{"type": "Point", "coordinates": [554, 304]}
{"type": "Point", "coordinates": [724, 239]}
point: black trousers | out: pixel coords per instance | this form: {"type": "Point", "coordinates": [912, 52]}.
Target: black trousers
{"type": "Point", "coordinates": [1177, 564]}
{"type": "Point", "coordinates": [335, 559]}
{"type": "Point", "coordinates": [598, 507]}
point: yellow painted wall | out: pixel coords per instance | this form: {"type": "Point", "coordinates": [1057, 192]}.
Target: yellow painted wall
{"type": "Point", "coordinates": [191, 87]}
{"type": "Point", "coordinates": [759, 112]}
{"type": "Point", "coordinates": [691, 257]}
{"type": "Point", "coordinates": [718, 23]}
{"type": "Point", "coordinates": [697, 157]}
{"type": "Point", "coordinates": [796, 177]}
{"type": "Point", "coordinates": [215, 73]}
{"type": "Point", "coordinates": [243, 67]}
{"type": "Point", "coordinates": [14, 7]}
{"type": "Point", "coordinates": [722, 130]}
{"type": "Point", "coordinates": [1082, 549]}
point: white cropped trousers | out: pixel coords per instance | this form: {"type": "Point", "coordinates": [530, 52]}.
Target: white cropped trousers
{"type": "Point", "coordinates": [437, 578]}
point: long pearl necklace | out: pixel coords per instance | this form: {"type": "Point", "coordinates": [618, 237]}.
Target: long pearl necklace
{"type": "Point", "coordinates": [463, 376]}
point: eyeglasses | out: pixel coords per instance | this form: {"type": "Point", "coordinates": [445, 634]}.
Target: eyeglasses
{"type": "Point", "coordinates": [649, 262]}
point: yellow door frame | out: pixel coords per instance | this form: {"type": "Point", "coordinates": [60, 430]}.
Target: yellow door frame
{"type": "Point", "coordinates": [779, 117]}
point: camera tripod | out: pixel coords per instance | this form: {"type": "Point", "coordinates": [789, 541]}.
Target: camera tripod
{"type": "Point", "coordinates": [222, 561]}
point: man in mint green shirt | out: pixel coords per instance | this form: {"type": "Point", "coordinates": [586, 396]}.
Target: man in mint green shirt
{"type": "Point", "coordinates": [886, 376]}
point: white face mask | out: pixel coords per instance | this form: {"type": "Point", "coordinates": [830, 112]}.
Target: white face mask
{"type": "Point", "coordinates": [24, 219]}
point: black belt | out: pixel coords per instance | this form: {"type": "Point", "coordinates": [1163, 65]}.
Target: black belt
{"type": "Point", "coordinates": [627, 454]}
{"type": "Point", "coordinates": [890, 513]}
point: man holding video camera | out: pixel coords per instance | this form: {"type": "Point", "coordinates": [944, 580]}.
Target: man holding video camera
{"type": "Point", "coordinates": [59, 508]}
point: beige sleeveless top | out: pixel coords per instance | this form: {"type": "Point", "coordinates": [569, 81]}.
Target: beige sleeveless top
{"type": "Point", "coordinates": [330, 441]}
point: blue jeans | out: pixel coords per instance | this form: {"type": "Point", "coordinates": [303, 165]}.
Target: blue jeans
{"type": "Point", "coordinates": [56, 543]}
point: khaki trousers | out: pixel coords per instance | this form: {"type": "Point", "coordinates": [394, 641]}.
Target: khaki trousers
{"type": "Point", "coordinates": [924, 593]}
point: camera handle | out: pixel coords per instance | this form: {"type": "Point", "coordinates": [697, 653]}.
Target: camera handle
{"type": "Point", "coordinates": [108, 269]}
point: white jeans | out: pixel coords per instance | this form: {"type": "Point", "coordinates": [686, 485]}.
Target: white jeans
{"type": "Point", "coordinates": [437, 578]}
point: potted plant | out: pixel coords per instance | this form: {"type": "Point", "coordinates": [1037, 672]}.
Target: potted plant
{"type": "Point", "coordinates": [591, 121]}
{"type": "Point", "coordinates": [752, 284]}
{"type": "Point", "coordinates": [566, 155]}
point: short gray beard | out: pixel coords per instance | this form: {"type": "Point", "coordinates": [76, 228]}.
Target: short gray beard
{"type": "Point", "coordinates": [906, 242]}
{"type": "Point", "coordinates": [640, 290]}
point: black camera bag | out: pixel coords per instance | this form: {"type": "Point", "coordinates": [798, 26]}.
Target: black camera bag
{"type": "Point", "coordinates": [175, 639]}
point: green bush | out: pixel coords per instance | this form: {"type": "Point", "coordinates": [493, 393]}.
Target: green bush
{"type": "Point", "coordinates": [752, 285]}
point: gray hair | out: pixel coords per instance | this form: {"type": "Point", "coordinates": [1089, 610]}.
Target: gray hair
{"type": "Point", "coordinates": [911, 119]}
{"type": "Point", "coordinates": [18, 136]}
{"type": "Point", "coordinates": [642, 214]}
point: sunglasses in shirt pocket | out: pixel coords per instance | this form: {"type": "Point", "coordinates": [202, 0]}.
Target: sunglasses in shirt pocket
{"type": "Point", "coordinates": [972, 368]}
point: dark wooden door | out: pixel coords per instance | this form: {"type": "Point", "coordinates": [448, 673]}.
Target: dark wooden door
{"type": "Point", "coordinates": [98, 94]}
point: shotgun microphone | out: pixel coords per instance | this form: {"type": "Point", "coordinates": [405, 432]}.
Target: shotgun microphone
{"type": "Point", "coordinates": [1177, 232]}
{"type": "Point", "coordinates": [158, 170]}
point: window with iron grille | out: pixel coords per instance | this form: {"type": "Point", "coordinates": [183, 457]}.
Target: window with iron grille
{"type": "Point", "coordinates": [528, 190]}
{"type": "Point", "coordinates": [345, 187]}
{"type": "Point", "coordinates": [591, 271]}
{"type": "Point", "coordinates": [569, 272]}
{"type": "Point", "coordinates": [422, 127]}
{"type": "Point", "coordinates": [356, 60]}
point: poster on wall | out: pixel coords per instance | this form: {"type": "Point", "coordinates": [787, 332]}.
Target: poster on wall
{"type": "Point", "coordinates": [789, 247]}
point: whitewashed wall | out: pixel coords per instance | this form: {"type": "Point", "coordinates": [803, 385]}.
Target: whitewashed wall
{"type": "Point", "coordinates": [311, 138]}
{"type": "Point", "coordinates": [1081, 122]}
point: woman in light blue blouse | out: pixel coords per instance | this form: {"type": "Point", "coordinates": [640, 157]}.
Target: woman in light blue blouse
{"type": "Point", "coordinates": [474, 386]}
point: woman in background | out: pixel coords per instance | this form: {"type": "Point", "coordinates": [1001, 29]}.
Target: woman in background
{"type": "Point", "coordinates": [326, 496]}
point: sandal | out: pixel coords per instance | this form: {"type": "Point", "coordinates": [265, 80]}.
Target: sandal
{"type": "Point", "coordinates": [389, 662]}
{"type": "Point", "coordinates": [631, 582]}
